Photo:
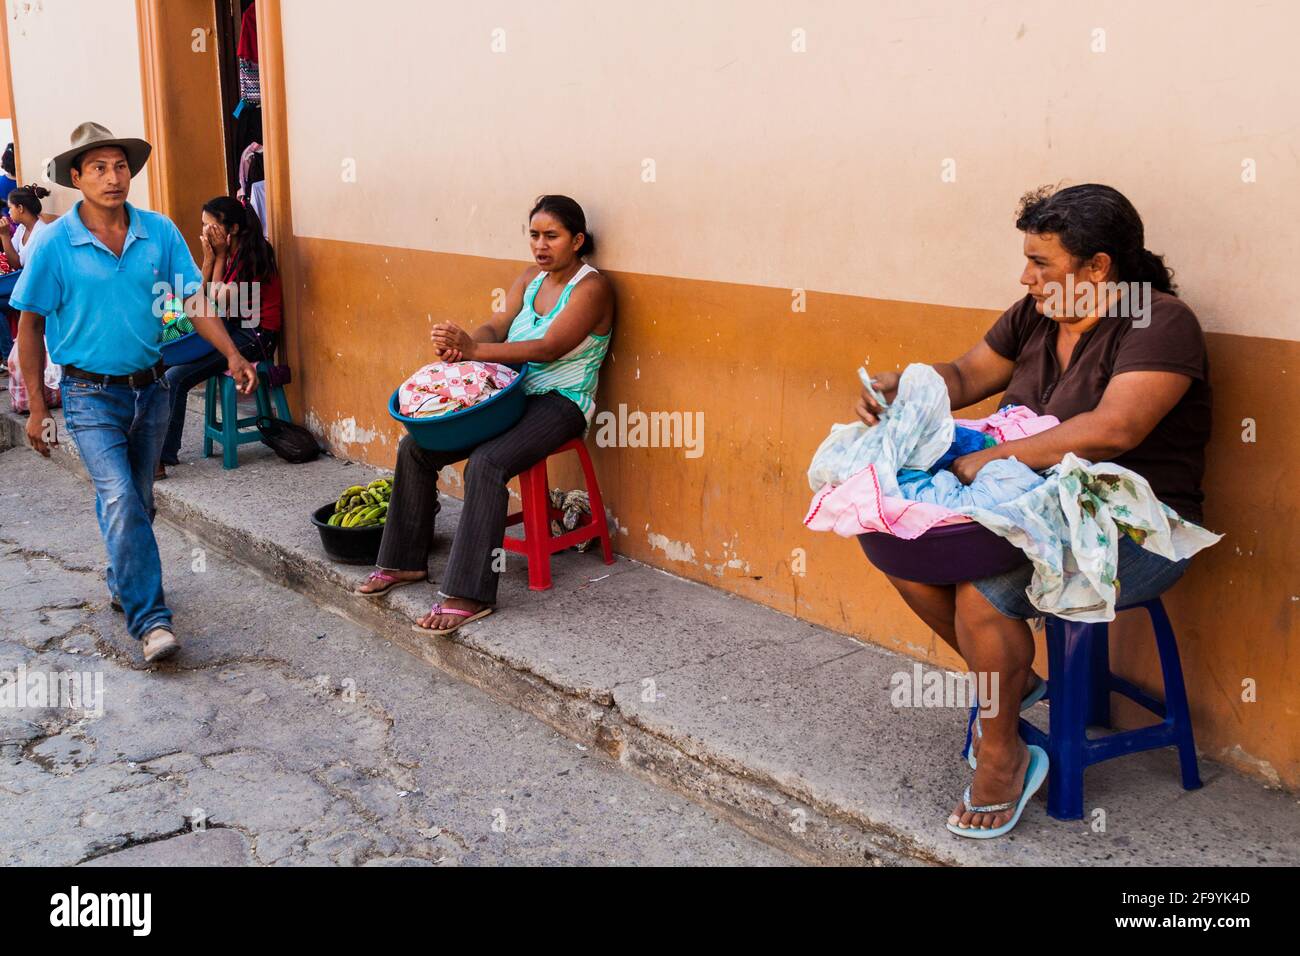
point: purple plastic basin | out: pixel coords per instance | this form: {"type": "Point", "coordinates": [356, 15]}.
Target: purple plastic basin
{"type": "Point", "coordinates": [945, 554]}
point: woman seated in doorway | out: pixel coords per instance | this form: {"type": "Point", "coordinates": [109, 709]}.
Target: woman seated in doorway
{"type": "Point", "coordinates": [242, 280]}
{"type": "Point", "coordinates": [1134, 390]}
{"type": "Point", "coordinates": [558, 317]}
{"type": "Point", "coordinates": [23, 220]}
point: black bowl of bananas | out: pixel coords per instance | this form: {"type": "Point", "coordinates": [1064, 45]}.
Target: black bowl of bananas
{"type": "Point", "coordinates": [352, 526]}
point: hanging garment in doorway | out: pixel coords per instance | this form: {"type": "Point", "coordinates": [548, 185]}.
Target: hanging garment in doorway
{"type": "Point", "coordinates": [248, 127]}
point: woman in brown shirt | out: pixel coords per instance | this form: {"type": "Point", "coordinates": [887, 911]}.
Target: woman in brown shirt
{"type": "Point", "coordinates": [1102, 342]}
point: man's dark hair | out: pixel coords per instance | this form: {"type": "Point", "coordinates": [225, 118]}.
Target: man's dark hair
{"type": "Point", "coordinates": [1091, 218]}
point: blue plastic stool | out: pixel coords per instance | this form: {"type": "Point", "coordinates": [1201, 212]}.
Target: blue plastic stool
{"type": "Point", "coordinates": [1079, 685]}
{"type": "Point", "coordinates": [227, 430]}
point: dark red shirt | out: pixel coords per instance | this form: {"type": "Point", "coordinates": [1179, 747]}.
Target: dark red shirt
{"type": "Point", "coordinates": [1172, 457]}
{"type": "Point", "coordinates": [270, 297]}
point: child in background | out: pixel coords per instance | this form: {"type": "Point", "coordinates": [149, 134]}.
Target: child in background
{"type": "Point", "coordinates": [22, 222]}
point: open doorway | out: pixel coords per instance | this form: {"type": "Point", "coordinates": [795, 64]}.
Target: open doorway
{"type": "Point", "coordinates": [241, 101]}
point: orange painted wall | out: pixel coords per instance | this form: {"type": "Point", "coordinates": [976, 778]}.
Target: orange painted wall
{"type": "Point", "coordinates": [182, 109]}
{"type": "Point", "coordinates": [50, 102]}
{"type": "Point", "coordinates": [770, 383]}
{"type": "Point", "coordinates": [6, 90]}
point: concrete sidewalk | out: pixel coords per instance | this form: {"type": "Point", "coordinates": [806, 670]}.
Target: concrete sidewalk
{"type": "Point", "coordinates": [785, 727]}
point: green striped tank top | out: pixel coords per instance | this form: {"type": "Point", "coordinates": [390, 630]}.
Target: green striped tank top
{"type": "Point", "coordinates": [572, 375]}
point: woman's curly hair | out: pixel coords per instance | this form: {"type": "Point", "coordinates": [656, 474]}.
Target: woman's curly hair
{"type": "Point", "coordinates": [1092, 218]}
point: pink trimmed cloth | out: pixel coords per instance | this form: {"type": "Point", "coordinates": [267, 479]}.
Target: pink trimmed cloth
{"type": "Point", "coordinates": [1010, 423]}
{"type": "Point", "coordinates": [858, 505]}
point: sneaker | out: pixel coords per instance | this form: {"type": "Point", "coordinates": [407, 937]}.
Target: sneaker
{"type": "Point", "coordinates": [116, 604]}
{"type": "Point", "coordinates": [158, 644]}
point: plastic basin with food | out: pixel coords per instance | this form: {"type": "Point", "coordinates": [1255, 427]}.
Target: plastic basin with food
{"type": "Point", "coordinates": [188, 348]}
{"type": "Point", "coordinates": [946, 554]}
{"type": "Point", "coordinates": [347, 545]}
{"type": "Point", "coordinates": [469, 426]}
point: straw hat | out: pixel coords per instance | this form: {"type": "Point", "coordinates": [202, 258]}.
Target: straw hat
{"type": "Point", "coordinates": [90, 136]}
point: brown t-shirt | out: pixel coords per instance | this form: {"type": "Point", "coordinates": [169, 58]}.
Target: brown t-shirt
{"type": "Point", "coordinates": [1172, 457]}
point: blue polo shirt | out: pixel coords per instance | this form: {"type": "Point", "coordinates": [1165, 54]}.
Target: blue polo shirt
{"type": "Point", "coordinates": [103, 313]}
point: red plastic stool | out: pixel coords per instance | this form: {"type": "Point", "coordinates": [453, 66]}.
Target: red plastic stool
{"type": "Point", "coordinates": [538, 544]}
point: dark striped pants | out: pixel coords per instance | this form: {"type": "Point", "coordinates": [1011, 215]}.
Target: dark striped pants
{"type": "Point", "coordinates": [548, 422]}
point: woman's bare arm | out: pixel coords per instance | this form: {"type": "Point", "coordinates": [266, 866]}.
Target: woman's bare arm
{"type": "Point", "coordinates": [975, 376]}
{"type": "Point", "coordinates": [1130, 408]}
{"type": "Point", "coordinates": [589, 305]}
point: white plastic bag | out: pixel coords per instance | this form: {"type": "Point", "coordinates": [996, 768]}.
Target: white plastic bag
{"type": "Point", "coordinates": [18, 397]}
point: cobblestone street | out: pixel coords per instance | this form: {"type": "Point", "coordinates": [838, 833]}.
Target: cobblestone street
{"type": "Point", "coordinates": [282, 733]}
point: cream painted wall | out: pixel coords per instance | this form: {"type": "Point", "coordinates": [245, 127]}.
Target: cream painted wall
{"type": "Point", "coordinates": [73, 61]}
{"type": "Point", "coordinates": [819, 169]}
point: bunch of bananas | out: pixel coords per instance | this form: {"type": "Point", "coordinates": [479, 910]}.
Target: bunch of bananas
{"type": "Point", "coordinates": [363, 506]}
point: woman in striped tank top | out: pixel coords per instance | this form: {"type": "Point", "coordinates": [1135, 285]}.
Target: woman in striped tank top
{"type": "Point", "coordinates": [558, 318]}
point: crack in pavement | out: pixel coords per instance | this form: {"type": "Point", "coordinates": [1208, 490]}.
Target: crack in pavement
{"type": "Point", "coordinates": [101, 850]}
{"type": "Point", "coordinates": [31, 554]}
{"type": "Point", "coordinates": [405, 814]}
{"type": "Point", "coordinates": [47, 764]}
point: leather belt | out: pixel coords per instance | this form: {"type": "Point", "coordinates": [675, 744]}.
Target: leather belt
{"type": "Point", "coordinates": [135, 380]}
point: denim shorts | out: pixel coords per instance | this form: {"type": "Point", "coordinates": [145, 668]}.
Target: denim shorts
{"type": "Point", "coordinates": [1142, 574]}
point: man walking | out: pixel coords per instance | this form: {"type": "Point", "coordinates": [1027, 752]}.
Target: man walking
{"type": "Point", "coordinates": [91, 290]}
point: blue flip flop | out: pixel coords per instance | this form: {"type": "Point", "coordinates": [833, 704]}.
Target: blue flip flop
{"type": "Point", "coordinates": [973, 725]}
{"type": "Point", "coordinates": [1035, 774]}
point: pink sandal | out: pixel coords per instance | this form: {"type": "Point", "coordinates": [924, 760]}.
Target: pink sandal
{"type": "Point", "coordinates": [456, 612]}
{"type": "Point", "coordinates": [391, 582]}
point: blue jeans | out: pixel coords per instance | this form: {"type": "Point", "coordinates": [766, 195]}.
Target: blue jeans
{"type": "Point", "coordinates": [119, 432]}
{"type": "Point", "coordinates": [253, 344]}
{"type": "Point", "coordinates": [6, 341]}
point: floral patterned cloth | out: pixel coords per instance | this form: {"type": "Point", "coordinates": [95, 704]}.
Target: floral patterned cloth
{"type": "Point", "coordinates": [1070, 526]}
{"type": "Point", "coordinates": [444, 387]}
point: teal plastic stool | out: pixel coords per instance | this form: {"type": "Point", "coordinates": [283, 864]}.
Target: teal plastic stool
{"type": "Point", "coordinates": [230, 431]}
